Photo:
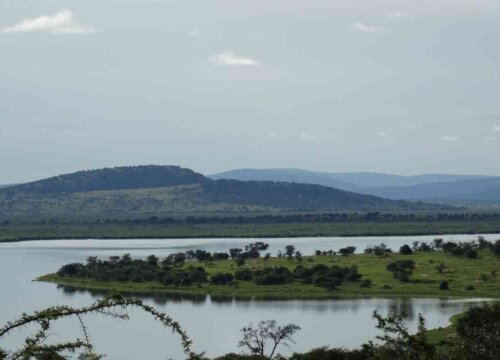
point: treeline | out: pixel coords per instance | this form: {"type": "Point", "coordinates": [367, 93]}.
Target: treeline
{"type": "Point", "coordinates": [313, 218]}
{"type": "Point", "coordinates": [319, 218]}
{"type": "Point", "coordinates": [169, 270]}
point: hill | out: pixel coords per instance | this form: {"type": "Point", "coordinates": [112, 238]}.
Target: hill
{"type": "Point", "coordinates": [351, 181]}
{"type": "Point", "coordinates": [479, 190]}
{"type": "Point", "coordinates": [130, 192]}
{"type": "Point", "coordinates": [130, 177]}
{"type": "Point", "coordinates": [463, 189]}
{"type": "Point", "coordinates": [285, 175]}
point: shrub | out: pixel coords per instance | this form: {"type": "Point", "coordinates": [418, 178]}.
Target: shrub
{"type": "Point", "coordinates": [405, 250]}
{"type": "Point", "coordinates": [402, 269]}
{"type": "Point", "coordinates": [444, 285]}
{"type": "Point", "coordinates": [471, 254]}
{"type": "Point", "coordinates": [347, 250]}
{"type": "Point", "coordinates": [273, 276]}
{"type": "Point", "coordinates": [243, 274]}
{"type": "Point", "coordinates": [239, 261]}
{"type": "Point", "coordinates": [441, 267]}
{"type": "Point", "coordinates": [366, 283]}
{"type": "Point", "coordinates": [221, 279]}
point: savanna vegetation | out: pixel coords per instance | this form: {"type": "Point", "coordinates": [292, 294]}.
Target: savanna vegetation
{"type": "Point", "coordinates": [472, 335]}
{"type": "Point", "coordinates": [439, 269]}
{"type": "Point", "coordinates": [138, 229]}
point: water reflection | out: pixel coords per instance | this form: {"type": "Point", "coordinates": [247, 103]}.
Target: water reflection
{"type": "Point", "coordinates": [213, 323]}
{"type": "Point", "coordinates": [403, 306]}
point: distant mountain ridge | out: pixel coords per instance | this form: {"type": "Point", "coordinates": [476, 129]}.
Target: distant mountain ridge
{"type": "Point", "coordinates": [476, 189]}
{"type": "Point", "coordinates": [153, 190]}
{"type": "Point", "coordinates": [343, 181]}
{"type": "Point", "coordinates": [425, 187]}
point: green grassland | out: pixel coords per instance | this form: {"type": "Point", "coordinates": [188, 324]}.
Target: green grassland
{"type": "Point", "coordinates": [460, 272]}
{"type": "Point", "coordinates": [122, 230]}
{"type": "Point", "coordinates": [115, 204]}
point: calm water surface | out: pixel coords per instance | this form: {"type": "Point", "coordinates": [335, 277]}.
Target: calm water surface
{"type": "Point", "coordinates": [213, 325]}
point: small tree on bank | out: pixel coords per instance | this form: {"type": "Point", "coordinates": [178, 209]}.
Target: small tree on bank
{"type": "Point", "coordinates": [256, 339]}
{"type": "Point", "coordinates": [402, 269]}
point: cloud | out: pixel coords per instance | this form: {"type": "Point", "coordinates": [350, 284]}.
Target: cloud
{"type": "Point", "coordinates": [382, 134]}
{"type": "Point", "coordinates": [308, 137]}
{"type": "Point", "coordinates": [450, 138]}
{"type": "Point", "coordinates": [396, 15]}
{"type": "Point", "coordinates": [496, 128]}
{"type": "Point", "coordinates": [63, 22]}
{"type": "Point", "coordinates": [489, 139]}
{"type": "Point", "coordinates": [232, 59]}
{"type": "Point", "coordinates": [194, 33]}
{"type": "Point", "coordinates": [365, 28]}
{"type": "Point", "coordinates": [272, 135]}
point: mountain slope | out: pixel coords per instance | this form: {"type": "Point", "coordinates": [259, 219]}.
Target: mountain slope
{"type": "Point", "coordinates": [293, 196]}
{"type": "Point", "coordinates": [285, 175]}
{"type": "Point", "coordinates": [479, 189]}
{"type": "Point", "coordinates": [353, 181]}
{"type": "Point", "coordinates": [156, 190]}
{"type": "Point", "coordinates": [131, 177]}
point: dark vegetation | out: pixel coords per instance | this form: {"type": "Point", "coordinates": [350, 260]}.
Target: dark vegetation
{"type": "Point", "coordinates": [169, 271]}
{"type": "Point", "coordinates": [142, 191]}
{"type": "Point", "coordinates": [201, 268]}
{"type": "Point", "coordinates": [132, 177]}
{"type": "Point", "coordinates": [474, 335]}
{"type": "Point", "coordinates": [477, 190]}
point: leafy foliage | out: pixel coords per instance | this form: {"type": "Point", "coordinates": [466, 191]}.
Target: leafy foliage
{"type": "Point", "coordinates": [36, 347]}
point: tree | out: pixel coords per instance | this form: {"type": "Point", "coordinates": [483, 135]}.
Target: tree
{"type": "Point", "coordinates": [258, 246]}
{"type": "Point", "coordinates": [438, 244]}
{"type": "Point", "coordinates": [298, 256]}
{"type": "Point", "coordinates": [347, 250]}
{"type": "Point", "coordinates": [402, 269]}
{"type": "Point", "coordinates": [398, 342]}
{"type": "Point", "coordinates": [478, 333]}
{"type": "Point", "coordinates": [256, 339]}
{"type": "Point", "coordinates": [235, 253]}
{"type": "Point", "coordinates": [37, 347]}
{"type": "Point", "coordinates": [289, 251]}
{"type": "Point", "coordinates": [152, 260]}
{"type": "Point", "coordinates": [221, 278]}
{"type": "Point", "coordinates": [496, 248]}
{"type": "Point", "coordinates": [405, 250]}
{"type": "Point", "coordinates": [179, 258]}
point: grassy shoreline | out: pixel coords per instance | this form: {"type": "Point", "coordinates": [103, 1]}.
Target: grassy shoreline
{"type": "Point", "coordinates": [29, 232]}
{"type": "Point", "coordinates": [460, 273]}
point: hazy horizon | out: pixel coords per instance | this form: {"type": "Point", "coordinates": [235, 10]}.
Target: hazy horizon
{"type": "Point", "coordinates": [291, 169]}
{"type": "Point", "coordinates": [398, 87]}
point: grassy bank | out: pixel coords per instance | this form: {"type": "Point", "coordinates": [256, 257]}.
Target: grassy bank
{"type": "Point", "coordinates": [20, 232]}
{"type": "Point", "coordinates": [461, 273]}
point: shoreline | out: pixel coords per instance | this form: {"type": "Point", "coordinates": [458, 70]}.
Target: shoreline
{"type": "Point", "coordinates": [248, 236]}
{"type": "Point", "coordinates": [467, 278]}
{"type": "Point", "coordinates": [190, 293]}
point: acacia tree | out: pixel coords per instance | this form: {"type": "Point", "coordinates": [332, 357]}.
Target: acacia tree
{"type": "Point", "coordinates": [401, 269]}
{"type": "Point", "coordinates": [398, 342]}
{"type": "Point", "coordinates": [289, 251]}
{"type": "Point", "coordinates": [256, 339]}
{"type": "Point", "coordinates": [35, 346]}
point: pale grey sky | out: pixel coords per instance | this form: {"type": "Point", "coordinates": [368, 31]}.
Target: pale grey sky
{"type": "Point", "coordinates": [398, 86]}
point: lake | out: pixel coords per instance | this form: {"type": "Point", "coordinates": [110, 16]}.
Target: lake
{"type": "Point", "coordinates": [213, 325]}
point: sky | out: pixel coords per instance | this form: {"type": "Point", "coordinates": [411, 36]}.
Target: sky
{"type": "Point", "coordinates": [395, 86]}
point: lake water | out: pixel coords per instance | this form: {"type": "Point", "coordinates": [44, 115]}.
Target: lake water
{"type": "Point", "coordinates": [213, 325]}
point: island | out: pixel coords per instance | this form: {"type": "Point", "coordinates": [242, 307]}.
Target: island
{"type": "Point", "coordinates": [449, 269]}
